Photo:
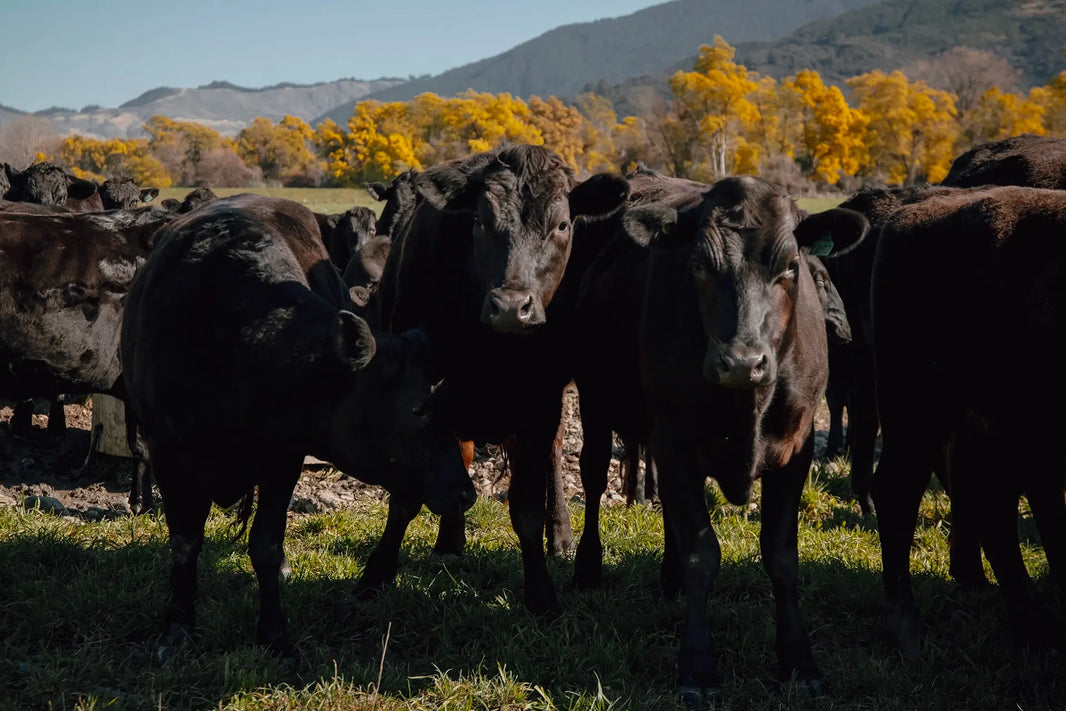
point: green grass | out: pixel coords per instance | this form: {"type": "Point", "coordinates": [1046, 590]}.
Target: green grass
{"type": "Point", "coordinates": [818, 204]}
{"type": "Point", "coordinates": [81, 605]}
{"type": "Point", "coordinates": [324, 200]}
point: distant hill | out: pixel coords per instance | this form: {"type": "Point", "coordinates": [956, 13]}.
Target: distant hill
{"type": "Point", "coordinates": [563, 61]}
{"type": "Point", "coordinates": [1030, 34]}
{"type": "Point", "coordinates": [7, 113]}
{"type": "Point", "coordinates": [225, 107]}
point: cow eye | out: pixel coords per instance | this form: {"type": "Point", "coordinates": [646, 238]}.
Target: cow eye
{"type": "Point", "coordinates": [420, 410]}
{"type": "Point", "coordinates": [563, 226]}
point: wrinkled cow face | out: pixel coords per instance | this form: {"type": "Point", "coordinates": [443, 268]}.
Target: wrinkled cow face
{"type": "Point", "coordinates": [47, 184]}
{"type": "Point", "coordinates": [746, 269]}
{"type": "Point", "coordinates": [519, 206]}
{"type": "Point", "coordinates": [390, 430]}
{"type": "Point", "coordinates": [364, 270]}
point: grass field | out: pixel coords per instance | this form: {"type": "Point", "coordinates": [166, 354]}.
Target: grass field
{"type": "Point", "coordinates": [81, 605]}
{"type": "Point", "coordinates": [331, 200]}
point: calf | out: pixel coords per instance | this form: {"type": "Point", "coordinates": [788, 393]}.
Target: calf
{"type": "Point", "coordinates": [241, 356]}
{"type": "Point", "coordinates": [490, 263]}
{"type": "Point", "coordinates": [344, 234]}
{"type": "Point", "coordinates": [990, 263]}
{"type": "Point", "coordinates": [1027, 160]}
{"type": "Point", "coordinates": [733, 364]}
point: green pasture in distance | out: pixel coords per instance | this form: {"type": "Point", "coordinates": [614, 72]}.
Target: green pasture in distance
{"type": "Point", "coordinates": [324, 200]}
{"type": "Point", "coordinates": [820, 203]}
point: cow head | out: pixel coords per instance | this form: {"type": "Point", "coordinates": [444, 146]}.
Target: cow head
{"type": "Point", "coordinates": [837, 328]}
{"type": "Point", "coordinates": [388, 428]}
{"type": "Point", "coordinates": [364, 270]}
{"type": "Point", "coordinates": [349, 232]}
{"type": "Point", "coordinates": [46, 184]}
{"type": "Point", "coordinates": [400, 198]}
{"type": "Point", "coordinates": [519, 203]}
{"type": "Point", "coordinates": [746, 269]}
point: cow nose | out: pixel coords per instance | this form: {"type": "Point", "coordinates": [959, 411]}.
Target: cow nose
{"type": "Point", "coordinates": [741, 370]}
{"type": "Point", "coordinates": [509, 309]}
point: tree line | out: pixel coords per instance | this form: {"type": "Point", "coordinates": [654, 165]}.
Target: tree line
{"type": "Point", "coordinates": [719, 118]}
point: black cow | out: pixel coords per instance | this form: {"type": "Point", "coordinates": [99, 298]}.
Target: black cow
{"type": "Point", "coordinates": [364, 270]}
{"type": "Point", "coordinates": [45, 184]}
{"type": "Point", "coordinates": [241, 356]}
{"type": "Point", "coordinates": [1027, 160]}
{"type": "Point", "coordinates": [63, 281]}
{"type": "Point", "coordinates": [733, 364]}
{"type": "Point", "coordinates": [990, 263]}
{"type": "Point", "coordinates": [400, 198]}
{"type": "Point", "coordinates": [490, 263]}
{"type": "Point", "coordinates": [345, 233]}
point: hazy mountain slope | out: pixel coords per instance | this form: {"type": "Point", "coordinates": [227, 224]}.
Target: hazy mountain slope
{"type": "Point", "coordinates": [564, 60]}
{"type": "Point", "coordinates": [224, 107]}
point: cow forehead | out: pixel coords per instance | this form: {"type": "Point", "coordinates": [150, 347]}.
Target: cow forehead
{"type": "Point", "coordinates": [530, 201]}
{"type": "Point", "coordinates": [749, 225]}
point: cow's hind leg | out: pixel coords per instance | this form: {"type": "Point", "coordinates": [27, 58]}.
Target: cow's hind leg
{"type": "Point", "coordinates": [780, 554]}
{"type": "Point", "coordinates": [595, 460]}
{"type": "Point", "coordinates": [57, 417]}
{"type": "Point", "coordinates": [557, 516]}
{"type": "Point", "coordinates": [266, 549]}
{"type": "Point", "coordinates": [451, 532]}
{"type": "Point", "coordinates": [186, 509]}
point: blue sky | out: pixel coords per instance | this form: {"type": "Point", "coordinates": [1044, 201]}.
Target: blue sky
{"type": "Point", "coordinates": [77, 52]}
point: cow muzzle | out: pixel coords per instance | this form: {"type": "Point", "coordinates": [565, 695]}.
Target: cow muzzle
{"type": "Point", "coordinates": [742, 368]}
{"type": "Point", "coordinates": [511, 310]}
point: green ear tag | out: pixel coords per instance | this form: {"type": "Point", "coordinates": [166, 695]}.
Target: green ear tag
{"type": "Point", "coordinates": [822, 248]}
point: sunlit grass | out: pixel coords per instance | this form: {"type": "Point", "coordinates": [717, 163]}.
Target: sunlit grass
{"type": "Point", "coordinates": [324, 200]}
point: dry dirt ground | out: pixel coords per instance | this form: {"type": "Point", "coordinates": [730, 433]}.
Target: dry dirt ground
{"type": "Point", "coordinates": [46, 471]}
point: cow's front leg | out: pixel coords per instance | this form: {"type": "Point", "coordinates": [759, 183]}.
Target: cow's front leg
{"type": "Point", "coordinates": [781, 491]}
{"type": "Point", "coordinates": [381, 565]}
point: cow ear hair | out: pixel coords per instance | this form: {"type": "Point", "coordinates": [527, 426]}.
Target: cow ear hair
{"type": "Point", "coordinates": [378, 191]}
{"type": "Point", "coordinates": [649, 224]}
{"type": "Point", "coordinates": [354, 341]}
{"type": "Point", "coordinates": [832, 232]}
{"type": "Point", "coordinates": [81, 189]}
{"type": "Point", "coordinates": [149, 194]}
{"type": "Point", "coordinates": [445, 187]}
{"type": "Point", "coordinates": [600, 195]}
{"type": "Point", "coordinates": [359, 295]}
{"type": "Point", "coordinates": [12, 173]}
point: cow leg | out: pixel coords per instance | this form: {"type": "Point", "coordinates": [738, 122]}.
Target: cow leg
{"type": "Point", "coordinates": [22, 418]}
{"type": "Point", "coordinates": [451, 533]}
{"type": "Point", "coordinates": [380, 567]}
{"type": "Point", "coordinates": [57, 417]}
{"type": "Point", "coordinates": [629, 467]}
{"type": "Point", "coordinates": [557, 522]}
{"type": "Point", "coordinates": [186, 514]}
{"type": "Point", "coordinates": [595, 460]}
{"type": "Point", "coordinates": [778, 540]}
{"type": "Point", "coordinates": [836, 395]}
{"type": "Point", "coordinates": [862, 426]}
{"type": "Point", "coordinates": [266, 549]}
{"type": "Point", "coordinates": [699, 557]}
{"type": "Point", "coordinates": [531, 457]}
{"type": "Point", "coordinates": [141, 500]}
{"type": "Point", "coordinates": [671, 574]}
{"type": "Point", "coordinates": [651, 476]}
{"type": "Point", "coordinates": [901, 478]}
{"type": "Point", "coordinates": [1049, 509]}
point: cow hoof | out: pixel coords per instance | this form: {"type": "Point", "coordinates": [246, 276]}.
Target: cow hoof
{"type": "Point", "coordinates": [544, 605]}
{"type": "Point", "coordinates": [695, 698]}
{"type": "Point", "coordinates": [906, 631]}
{"type": "Point", "coordinates": [813, 688]}
{"type": "Point", "coordinates": [174, 637]}
{"type": "Point", "coordinates": [445, 558]}
{"type": "Point", "coordinates": [365, 591]}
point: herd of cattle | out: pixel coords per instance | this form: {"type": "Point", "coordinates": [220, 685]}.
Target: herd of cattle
{"type": "Point", "coordinates": [702, 322]}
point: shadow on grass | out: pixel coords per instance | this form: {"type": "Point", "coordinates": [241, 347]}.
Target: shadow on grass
{"type": "Point", "coordinates": [79, 619]}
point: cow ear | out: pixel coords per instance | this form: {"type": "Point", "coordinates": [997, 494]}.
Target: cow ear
{"type": "Point", "coordinates": [446, 188]}
{"type": "Point", "coordinates": [81, 189]}
{"type": "Point", "coordinates": [354, 341]}
{"type": "Point", "coordinates": [599, 195]}
{"type": "Point", "coordinates": [832, 232]}
{"type": "Point", "coordinates": [360, 296]}
{"type": "Point", "coordinates": [378, 191]}
{"type": "Point", "coordinates": [149, 194]}
{"type": "Point", "coordinates": [11, 172]}
{"type": "Point", "coordinates": [650, 224]}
